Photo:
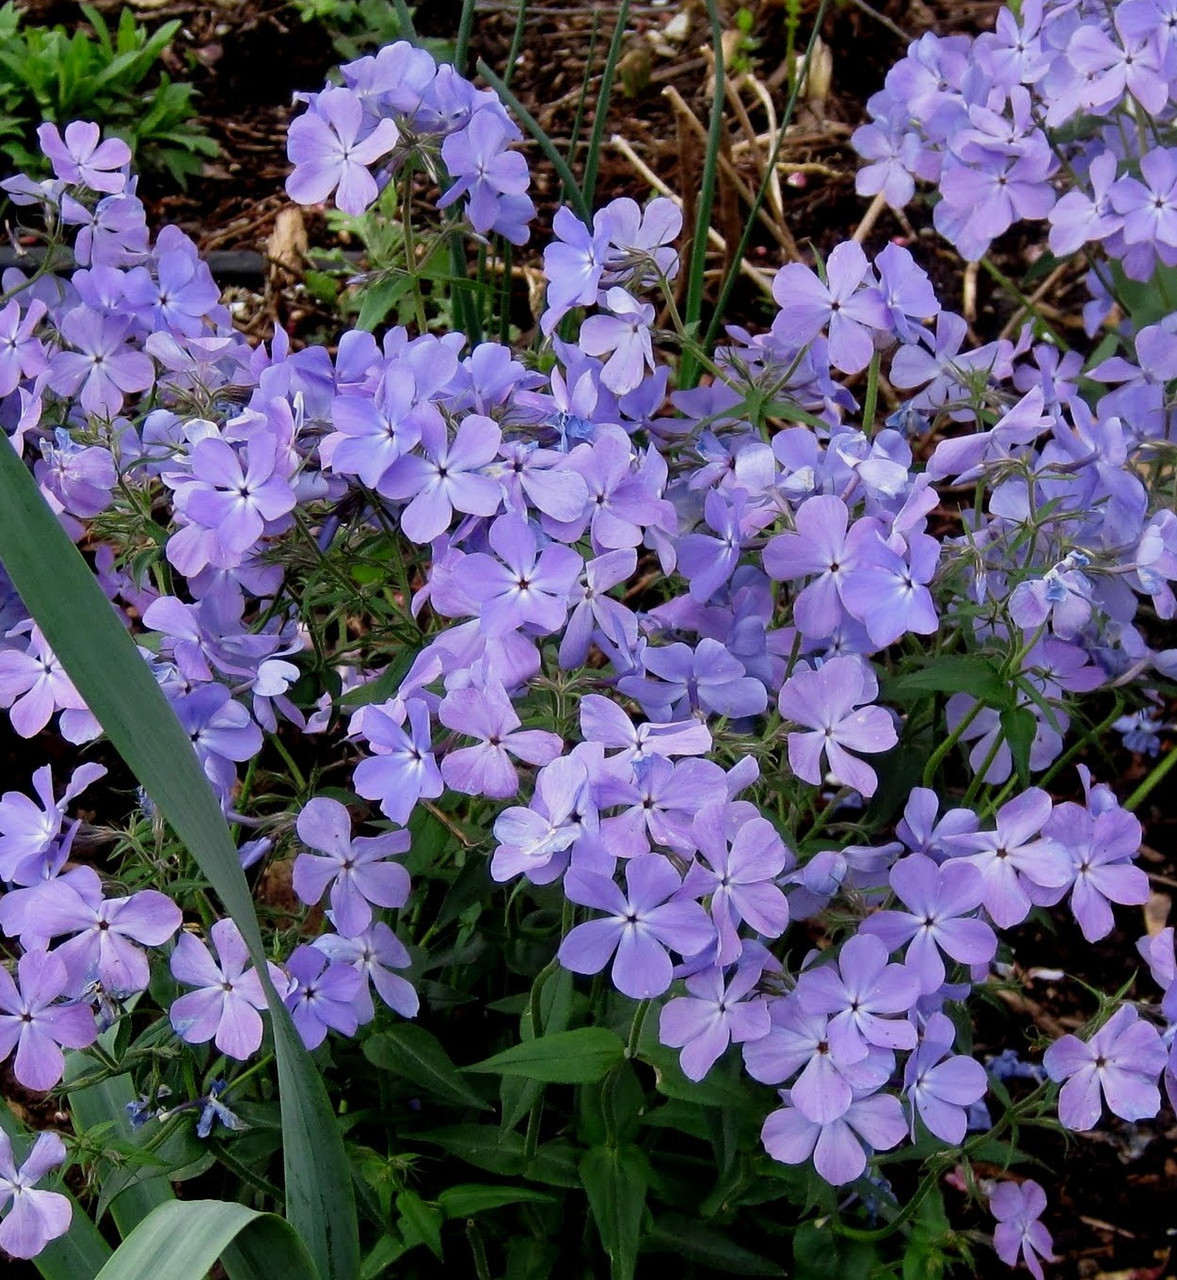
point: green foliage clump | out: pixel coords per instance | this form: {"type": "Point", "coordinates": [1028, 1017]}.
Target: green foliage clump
{"type": "Point", "coordinates": [47, 73]}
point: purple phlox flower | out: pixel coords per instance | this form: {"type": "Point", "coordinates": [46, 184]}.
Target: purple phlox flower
{"type": "Point", "coordinates": [573, 265]}
{"type": "Point", "coordinates": [888, 592]}
{"type": "Point", "coordinates": [79, 478]}
{"type": "Point", "coordinates": [33, 1217]}
{"type": "Point", "coordinates": [829, 703]}
{"type": "Point", "coordinates": [240, 502]}
{"type": "Point", "coordinates": [707, 678]}
{"type": "Point", "coordinates": [839, 1147]}
{"type": "Point", "coordinates": [719, 1010]}
{"type": "Point", "coordinates": [858, 991]}
{"type": "Point", "coordinates": [603, 720]}
{"type": "Point", "coordinates": [83, 158]}
{"type": "Point", "coordinates": [815, 882]}
{"type": "Point", "coordinates": [1140, 19]}
{"type": "Point", "coordinates": [357, 871]}
{"type": "Point", "coordinates": [1110, 67]}
{"type": "Point", "coordinates": [1158, 952]}
{"type": "Point", "coordinates": [595, 611]}
{"type": "Point", "coordinates": [22, 354]}
{"type": "Point", "coordinates": [962, 458]}
{"type": "Point", "coordinates": [985, 197]}
{"type": "Point", "coordinates": [535, 840]}
{"type": "Point", "coordinates": [623, 336]}
{"type": "Point", "coordinates": [27, 831]}
{"type": "Point", "coordinates": [1013, 52]}
{"type": "Point", "coordinates": [1101, 846]}
{"type": "Point", "coordinates": [374, 954]}
{"type": "Point", "coordinates": [111, 234]}
{"type": "Point", "coordinates": [945, 371]}
{"type": "Point", "coordinates": [819, 548]}
{"type": "Point", "coordinates": [941, 1085]}
{"type": "Point", "coordinates": [743, 855]}
{"type": "Point", "coordinates": [940, 901]}
{"type": "Point", "coordinates": [906, 291]}
{"type": "Point", "coordinates": [639, 927]}
{"type": "Point", "coordinates": [542, 479]}
{"type": "Point", "coordinates": [182, 292]}
{"type": "Point", "coordinates": [221, 732]}
{"type": "Point", "coordinates": [848, 302]}
{"type": "Point", "coordinates": [661, 798]}
{"type": "Point", "coordinates": [893, 153]}
{"type": "Point", "coordinates": [104, 368]}
{"type": "Point", "coordinates": [104, 931]}
{"type": "Point", "coordinates": [523, 586]}
{"type": "Point", "coordinates": [799, 1042]}
{"type": "Point", "coordinates": [1062, 596]}
{"type": "Point", "coordinates": [483, 168]}
{"type": "Point", "coordinates": [450, 476]}
{"type": "Point", "coordinates": [1017, 1206]}
{"type": "Point", "coordinates": [486, 713]}
{"type": "Point", "coordinates": [225, 1007]}
{"type": "Point", "coordinates": [34, 685]}
{"type": "Point", "coordinates": [640, 240]}
{"type": "Point", "coordinates": [323, 995]}
{"type": "Point", "coordinates": [708, 562]}
{"type": "Point", "coordinates": [921, 833]}
{"type": "Point", "coordinates": [402, 770]}
{"type": "Point", "coordinates": [1148, 205]}
{"type": "Point", "coordinates": [35, 1025]}
{"type": "Point", "coordinates": [371, 433]}
{"type": "Point", "coordinates": [1118, 1065]}
{"type": "Point", "coordinates": [625, 497]}
{"type": "Point", "coordinates": [1079, 217]}
{"type": "Point", "coordinates": [328, 152]}
{"type": "Point", "coordinates": [1140, 731]}
{"type": "Point", "coordinates": [1019, 866]}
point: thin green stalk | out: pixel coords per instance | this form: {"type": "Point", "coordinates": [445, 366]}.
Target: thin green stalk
{"type": "Point", "coordinates": [405, 19]}
{"type": "Point", "coordinates": [688, 373]}
{"type": "Point", "coordinates": [1025, 303]}
{"type": "Point", "coordinates": [572, 188]}
{"type": "Point", "coordinates": [937, 756]}
{"type": "Point", "coordinates": [733, 270]}
{"type": "Point", "coordinates": [288, 760]}
{"type": "Point", "coordinates": [462, 44]}
{"type": "Point", "coordinates": [582, 97]}
{"type": "Point", "coordinates": [601, 110]}
{"type": "Point", "coordinates": [517, 41]}
{"type": "Point", "coordinates": [1157, 776]}
{"type": "Point", "coordinates": [871, 401]}
{"type": "Point", "coordinates": [411, 258]}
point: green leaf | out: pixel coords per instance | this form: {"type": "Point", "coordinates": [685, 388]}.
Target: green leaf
{"type": "Point", "coordinates": [954, 673]}
{"type": "Point", "coordinates": [469, 1199]}
{"type": "Point", "coordinates": [420, 1223]}
{"type": "Point", "coordinates": [565, 1057]}
{"type": "Point", "coordinates": [615, 1180]}
{"type": "Point", "coordinates": [480, 1145]}
{"type": "Point", "coordinates": [82, 1252]}
{"type": "Point", "coordinates": [672, 1233]}
{"type": "Point", "coordinates": [182, 1240]}
{"type": "Point", "coordinates": [418, 1055]}
{"type": "Point", "coordinates": [819, 1254]}
{"type": "Point", "coordinates": [379, 299]}
{"type": "Point", "coordinates": [100, 657]}
{"type": "Point", "coordinates": [1019, 725]}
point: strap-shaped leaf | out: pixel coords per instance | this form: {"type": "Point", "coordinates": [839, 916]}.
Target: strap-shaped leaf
{"type": "Point", "coordinates": [101, 659]}
{"type": "Point", "coordinates": [183, 1240]}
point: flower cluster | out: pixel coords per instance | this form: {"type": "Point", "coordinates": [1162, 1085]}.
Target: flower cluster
{"type": "Point", "coordinates": [804, 586]}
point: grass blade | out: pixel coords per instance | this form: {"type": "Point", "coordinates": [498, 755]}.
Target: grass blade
{"type": "Point", "coordinates": [601, 110]}
{"type": "Point", "coordinates": [101, 659]}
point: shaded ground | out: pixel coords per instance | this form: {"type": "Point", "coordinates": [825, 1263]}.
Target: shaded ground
{"type": "Point", "coordinates": [1111, 1192]}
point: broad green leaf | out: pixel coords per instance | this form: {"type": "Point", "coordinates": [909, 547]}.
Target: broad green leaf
{"type": "Point", "coordinates": [183, 1240]}
{"type": "Point", "coordinates": [481, 1145]}
{"type": "Point", "coordinates": [418, 1055]}
{"type": "Point", "coordinates": [82, 1252]}
{"type": "Point", "coordinates": [469, 1199]}
{"type": "Point", "coordinates": [420, 1223]}
{"type": "Point", "coordinates": [100, 657]}
{"type": "Point", "coordinates": [615, 1179]}
{"type": "Point", "coordinates": [565, 1057]}
{"type": "Point", "coordinates": [672, 1233]}
{"type": "Point", "coordinates": [954, 673]}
